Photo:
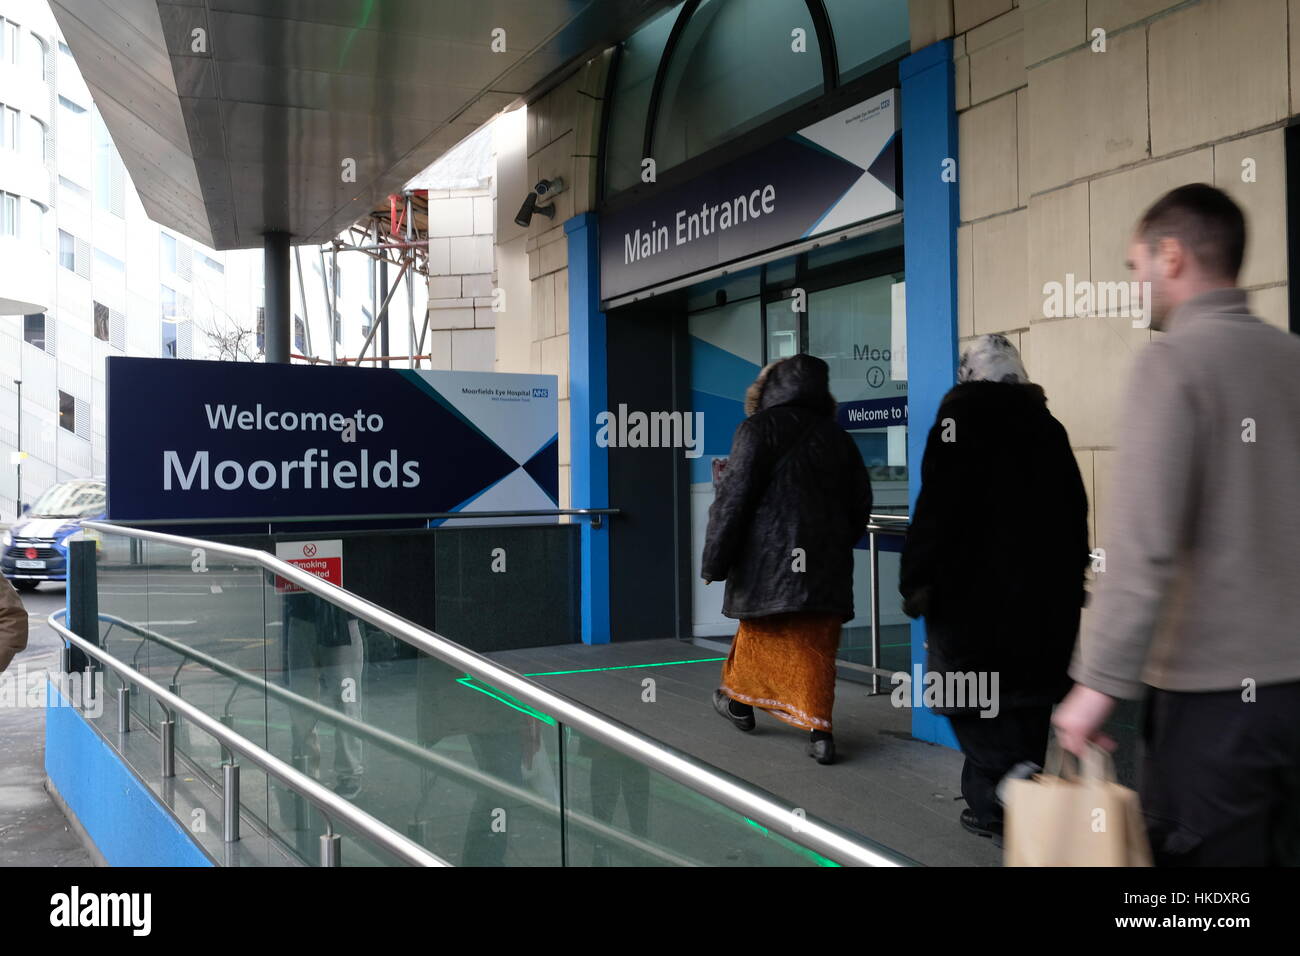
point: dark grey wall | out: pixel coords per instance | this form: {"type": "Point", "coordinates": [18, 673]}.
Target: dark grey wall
{"type": "Point", "coordinates": [442, 579]}
{"type": "Point", "coordinates": [649, 561]}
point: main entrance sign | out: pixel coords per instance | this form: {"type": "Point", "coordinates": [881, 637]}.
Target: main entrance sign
{"type": "Point", "coordinates": [836, 172]}
{"type": "Point", "coordinates": [190, 439]}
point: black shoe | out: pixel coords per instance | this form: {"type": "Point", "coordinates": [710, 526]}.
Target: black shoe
{"type": "Point", "coordinates": [821, 748]}
{"type": "Point", "coordinates": [970, 822]}
{"type": "Point", "coordinates": [728, 708]}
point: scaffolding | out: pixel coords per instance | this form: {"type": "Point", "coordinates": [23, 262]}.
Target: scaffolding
{"type": "Point", "coordinates": [396, 235]}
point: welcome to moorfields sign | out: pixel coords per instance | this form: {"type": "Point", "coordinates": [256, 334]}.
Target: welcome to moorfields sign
{"type": "Point", "coordinates": [189, 439]}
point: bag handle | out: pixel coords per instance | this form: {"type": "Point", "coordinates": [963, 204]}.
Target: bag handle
{"type": "Point", "coordinates": [1095, 765]}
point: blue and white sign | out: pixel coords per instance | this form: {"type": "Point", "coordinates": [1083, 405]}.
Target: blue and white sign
{"type": "Point", "coordinates": [189, 439]}
{"type": "Point", "coordinates": [839, 171]}
{"type": "Point", "coordinates": [873, 413]}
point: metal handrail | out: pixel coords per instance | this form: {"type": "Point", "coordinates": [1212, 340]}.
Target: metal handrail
{"type": "Point", "coordinates": [324, 799]}
{"type": "Point", "coordinates": [879, 524]}
{"type": "Point", "coordinates": [889, 524]}
{"type": "Point", "coordinates": [595, 514]}
{"type": "Point", "coordinates": [731, 792]}
{"type": "Point", "coordinates": [394, 744]}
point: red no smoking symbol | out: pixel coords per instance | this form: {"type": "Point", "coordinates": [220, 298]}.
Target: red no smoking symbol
{"type": "Point", "coordinates": [309, 550]}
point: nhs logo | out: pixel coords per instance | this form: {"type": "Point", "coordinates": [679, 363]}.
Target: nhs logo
{"type": "Point", "coordinates": [541, 393]}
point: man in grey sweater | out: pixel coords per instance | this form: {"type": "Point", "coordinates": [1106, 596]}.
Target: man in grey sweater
{"type": "Point", "coordinates": [1199, 606]}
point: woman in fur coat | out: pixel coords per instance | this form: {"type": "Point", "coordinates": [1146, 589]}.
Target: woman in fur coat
{"type": "Point", "coordinates": [792, 501]}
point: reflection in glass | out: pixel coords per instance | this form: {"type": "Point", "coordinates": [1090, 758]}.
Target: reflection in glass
{"type": "Point", "coordinates": [734, 67]}
{"type": "Point", "coordinates": [782, 330]}
{"type": "Point", "coordinates": [619, 812]}
{"type": "Point", "coordinates": [868, 35]}
{"type": "Point", "coordinates": [860, 330]}
{"type": "Point", "coordinates": [637, 64]}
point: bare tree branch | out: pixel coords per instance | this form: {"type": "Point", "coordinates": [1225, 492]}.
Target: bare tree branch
{"type": "Point", "coordinates": [231, 342]}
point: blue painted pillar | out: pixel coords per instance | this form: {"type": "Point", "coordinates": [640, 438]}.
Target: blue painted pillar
{"type": "Point", "coordinates": [588, 462]}
{"type": "Point", "coordinates": [930, 218]}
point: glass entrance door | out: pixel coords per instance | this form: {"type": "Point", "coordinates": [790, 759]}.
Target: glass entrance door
{"type": "Point", "coordinates": [860, 330]}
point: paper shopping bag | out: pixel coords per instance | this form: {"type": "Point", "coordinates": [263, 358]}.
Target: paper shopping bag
{"type": "Point", "coordinates": [1074, 819]}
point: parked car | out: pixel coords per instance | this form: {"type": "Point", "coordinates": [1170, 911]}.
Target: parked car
{"type": "Point", "coordinates": [33, 549]}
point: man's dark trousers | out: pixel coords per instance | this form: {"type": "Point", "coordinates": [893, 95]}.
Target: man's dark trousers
{"type": "Point", "coordinates": [1220, 776]}
{"type": "Point", "coordinates": [992, 746]}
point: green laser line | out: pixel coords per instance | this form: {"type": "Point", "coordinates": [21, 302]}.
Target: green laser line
{"type": "Point", "coordinates": [624, 667]}
{"type": "Point", "coordinates": [506, 699]}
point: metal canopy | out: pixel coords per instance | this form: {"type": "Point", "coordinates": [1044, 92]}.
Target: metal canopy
{"type": "Point", "coordinates": [244, 128]}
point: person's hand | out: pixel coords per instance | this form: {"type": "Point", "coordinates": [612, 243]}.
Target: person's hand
{"type": "Point", "coordinates": [1079, 717]}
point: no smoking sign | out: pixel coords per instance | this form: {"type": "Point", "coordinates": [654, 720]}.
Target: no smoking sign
{"type": "Point", "coordinates": [321, 558]}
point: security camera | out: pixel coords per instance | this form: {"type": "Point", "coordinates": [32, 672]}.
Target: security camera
{"type": "Point", "coordinates": [549, 186]}
{"type": "Point", "coordinates": [525, 215]}
{"type": "Point", "coordinates": [545, 187]}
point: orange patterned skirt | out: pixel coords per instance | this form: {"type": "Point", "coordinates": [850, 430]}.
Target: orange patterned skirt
{"type": "Point", "coordinates": [785, 664]}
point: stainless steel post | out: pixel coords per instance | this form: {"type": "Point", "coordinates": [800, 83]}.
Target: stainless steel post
{"type": "Point", "coordinates": [875, 612]}
{"type": "Point", "coordinates": [124, 709]}
{"type": "Point", "coordinates": [331, 849]}
{"type": "Point", "coordinates": [168, 729]}
{"type": "Point", "coordinates": [230, 802]}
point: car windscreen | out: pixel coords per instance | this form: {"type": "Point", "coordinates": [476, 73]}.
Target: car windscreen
{"type": "Point", "coordinates": [71, 499]}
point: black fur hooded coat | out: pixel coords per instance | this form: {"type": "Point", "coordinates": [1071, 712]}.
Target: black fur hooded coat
{"type": "Point", "coordinates": [998, 544]}
{"type": "Point", "coordinates": [794, 498]}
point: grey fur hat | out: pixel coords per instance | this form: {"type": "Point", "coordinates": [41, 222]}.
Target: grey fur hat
{"type": "Point", "coordinates": [992, 358]}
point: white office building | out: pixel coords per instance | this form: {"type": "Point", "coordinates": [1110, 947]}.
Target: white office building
{"type": "Point", "coordinates": [85, 274]}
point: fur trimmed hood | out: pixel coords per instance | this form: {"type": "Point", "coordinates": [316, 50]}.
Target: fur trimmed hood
{"type": "Point", "coordinates": [802, 380]}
